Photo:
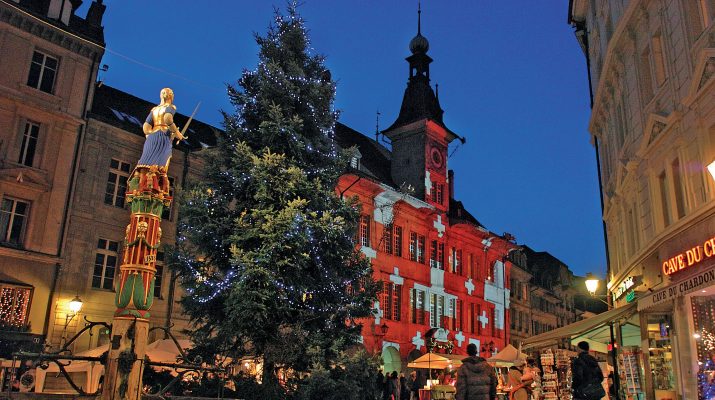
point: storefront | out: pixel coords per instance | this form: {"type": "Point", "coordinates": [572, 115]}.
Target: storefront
{"type": "Point", "coordinates": [666, 350]}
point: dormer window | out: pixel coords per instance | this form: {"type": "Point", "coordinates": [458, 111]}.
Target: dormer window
{"type": "Point", "coordinates": [355, 160]}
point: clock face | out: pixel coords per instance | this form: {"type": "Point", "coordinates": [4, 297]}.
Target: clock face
{"type": "Point", "coordinates": [437, 157]}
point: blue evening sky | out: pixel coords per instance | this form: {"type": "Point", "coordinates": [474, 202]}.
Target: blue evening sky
{"type": "Point", "coordinates": [511, 76]}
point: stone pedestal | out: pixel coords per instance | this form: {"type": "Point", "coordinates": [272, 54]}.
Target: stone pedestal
{"type": "Point", "coordinates": [122, 377]}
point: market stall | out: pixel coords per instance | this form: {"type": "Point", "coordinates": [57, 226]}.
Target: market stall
{"type": "Point", "coordinates": [434, 388]}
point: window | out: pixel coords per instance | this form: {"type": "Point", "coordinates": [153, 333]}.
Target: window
{"type": "Point", "coordinates": [632, 224]}
{"type": "Point", "coordinates": [166, 211]}
{"type": "Point", "coordinates": [658, 59]}
{"type": "Point", "coordinates": [417, 248]}
{"type": "Point", "coordinates": [387, 239]}
{"type": "Point", "coordinates": [646, 79]}
{"type": "Point", "coordinates": [457, 261]}
{"type": "Point", "coordinates": [13, 220]}
{"type": "Point", "coordinates": [391, 300]}
{"type": "Point", "coordinates": [116, 183]}
{"type": "Point", "coordinates": [437, 192]}
{"type": "Point", "coordinates": [436, 311]}
{"type": "Point", "coordinates": [470, 265]}
{"type": "Point", "coordinates": [417, 302]}
{"type": "Point", "coordinates": [14, 305]}
{"type": "Point", "coordinates": [457, 324]}
{"type": "Point", "coordinates": [43, 70]}
{"type": "Point", "coordinates": [678, 189]}
{"type": "Point", "coordinates": [470, 318]}
{"type": "Point", "coordinates": [392, 240]}
{"type": "Point", "coordinates": [664, 195]}
{"type": "Point", "coordinates": [29, 143]}
{"type": "Point", "coordinates": [477, 321]}
{"type": "Point", "coordinates": [513, 319]}
{"type": "Point", "coordinates": [159, 277]}
{"type": "Point", "coordinates": [364, 231]}
{"type": "Point", "coordinates": [105, 264]}
{"type": "Point", "coordinates": [437, 255]}
{"type": "Point", "coordinates": [451, 314]}
{"type": "Point", "coordinates": [397, 241]}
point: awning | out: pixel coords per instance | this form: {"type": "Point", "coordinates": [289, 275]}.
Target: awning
{"type": "Point", "coordinates": [578, 327]}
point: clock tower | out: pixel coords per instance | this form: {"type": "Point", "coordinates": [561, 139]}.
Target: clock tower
{"type": "Point", "coordinates": [419, 136]}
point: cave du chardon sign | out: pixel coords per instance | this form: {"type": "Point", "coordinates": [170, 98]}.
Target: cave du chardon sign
{"type": "Point", "coordinates": [684, 260]}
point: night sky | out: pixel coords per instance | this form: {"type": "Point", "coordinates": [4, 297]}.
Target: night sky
{"type": "Point", "coordinates": [511, 76]}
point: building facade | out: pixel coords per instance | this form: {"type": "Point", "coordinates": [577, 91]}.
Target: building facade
{"type": "Point", "coordinates": [520, 313]}
{"type": "Point", "coordinates": [47, 77]}
{"type": "Point", "coordinates": [650, 66]}
{"type": "Point", "coordinates": [444, 276]}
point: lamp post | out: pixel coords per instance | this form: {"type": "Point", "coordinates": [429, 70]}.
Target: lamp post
{"type": "Point", "coordinates": [75, 305]}
{"type": "Point", "coordinates": [592, 286]}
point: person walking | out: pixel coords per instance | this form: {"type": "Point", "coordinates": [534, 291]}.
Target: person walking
{"type": "Point", "coordinates": [404, 388]}
{"type": "Point", "coordinates": [587, 375]}
{"type": "Point", "coordinates": [393, 387]}
{"type": "Point", "coordinates": [476, 379]}
{"type": "Point", "coordinates": [380, 386]}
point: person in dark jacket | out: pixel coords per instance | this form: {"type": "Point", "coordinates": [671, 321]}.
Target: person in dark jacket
{"type": "Point", "coordinates": [584, 371]}
{"type": "Point", "coordinates": [380, 385]}
{"type": "Point", "coordinates": [476, 379]}
{"type": "Point", "coordinates": [393, 385]}
{"type": "Point", "coordinates": [404, 388]}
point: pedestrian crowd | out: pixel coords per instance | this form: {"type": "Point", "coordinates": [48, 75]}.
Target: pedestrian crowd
{"type": "Point", "coordinates": [477, 380]}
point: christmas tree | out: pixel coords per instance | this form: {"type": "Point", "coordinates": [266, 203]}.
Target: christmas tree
{"type": "Point", "coordinates": [267, 249]}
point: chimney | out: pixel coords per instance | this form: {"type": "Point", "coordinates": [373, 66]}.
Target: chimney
{"type": "Point", "coordinates": [95, 13]}
{"type": "Point", "coordinates": [450, 177]}
{"type": "Point", "coordinates": [60, 9]}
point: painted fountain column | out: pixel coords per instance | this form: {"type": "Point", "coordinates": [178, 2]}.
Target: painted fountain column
{"type": "Point", "coordinates": [147, 194]}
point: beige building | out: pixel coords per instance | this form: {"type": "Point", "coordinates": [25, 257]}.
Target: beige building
{"type": "Point", "coordinates": [67, 147]}
{"type": "Point", "coordinates": [47, 74]}
{"type": "Point", "coordinates": [519, 299]}
{"type": "Point", "coordinates": [651, 67]}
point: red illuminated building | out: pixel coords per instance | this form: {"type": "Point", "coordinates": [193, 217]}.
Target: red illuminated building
{"type": "Point", "coordinates": [439, 267]}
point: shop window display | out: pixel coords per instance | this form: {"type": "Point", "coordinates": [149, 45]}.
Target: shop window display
{"type": "Point", "coordinates": [661, 356]}
{"type": "Point", "coordinates": [703, 308]}
{"type": "Point", "coordinates": [629, 371]}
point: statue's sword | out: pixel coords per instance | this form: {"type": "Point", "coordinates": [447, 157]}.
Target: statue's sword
{"type": "Point", "coordinates": [183, 131]}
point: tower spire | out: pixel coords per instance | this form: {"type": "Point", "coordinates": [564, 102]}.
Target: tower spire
{"type": "Point", "coordinates": [419, 17]}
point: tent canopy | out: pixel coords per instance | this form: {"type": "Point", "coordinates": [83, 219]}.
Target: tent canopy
{"type": "Point", "coordinates": [506, 357]}
{"type": "Point", "coordinates": [581, 328]}
{"type": "Point", "coordinates": [436, 361]}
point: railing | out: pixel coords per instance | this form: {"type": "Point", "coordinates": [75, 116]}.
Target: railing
{"type": "Point", "coordinates": [63, 358]}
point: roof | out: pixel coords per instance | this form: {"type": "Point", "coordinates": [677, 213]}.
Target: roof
{"type": "Point", "coordinates": [375, 159]}
{"type": "Point", "coordinates": [457, 214]}
{"type": "Point", "coordinates": [128, 112]}
{"type": "Point", "coordinates": [77, 25]}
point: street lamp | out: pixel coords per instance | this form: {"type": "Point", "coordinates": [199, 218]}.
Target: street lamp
{"type": "Point", "coordinates": [592, 286]}
{"type": "Point", "coordinates": [74, 306]}
{"type": "Point", "coordinates": [591, 283]}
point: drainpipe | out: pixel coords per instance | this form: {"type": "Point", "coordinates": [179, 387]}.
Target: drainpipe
{"type": "Point", "coordinates": [174, 275]}
{"type": "Point", "coordinates": [48, 312]}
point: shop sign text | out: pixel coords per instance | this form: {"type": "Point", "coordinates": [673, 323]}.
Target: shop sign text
{"type": "Point", "coordinates": [626, 285]}
{"type": "Point", "coordinates": [691, 284]}
{"type": "Point", "coordinates": [689, 257]}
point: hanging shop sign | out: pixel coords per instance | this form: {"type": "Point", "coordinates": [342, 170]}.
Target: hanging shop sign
{"type": "Point", "coordinates": [699, 281]}
{"type": "Point", "coordinates": [627, 284]}
{"type": "Point", "coordinates": [689, 257]}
